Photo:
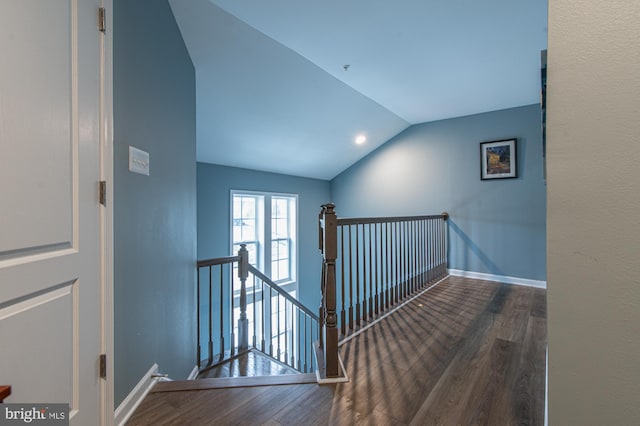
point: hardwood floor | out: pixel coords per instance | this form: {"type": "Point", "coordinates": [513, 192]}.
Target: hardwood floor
{"type": "Point", "coordinates": [249, 364]}
{"type": "Point", "coordinates": [467, 352]}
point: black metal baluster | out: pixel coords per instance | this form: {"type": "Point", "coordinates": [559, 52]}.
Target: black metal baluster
{"type": "Point", "coordinates": [270, 321]}
{"type": "Point", "coordinates": [370, 274]}
{"type": "Point", "coordinates": [299, 341]}
{"type": "Point", "coordinates": [416, 254]}
{"type": "Point", "coordinates": [306, 344]}
{"type": "Point", "coordinates": [407, 254]}
{"type": "Point", "coordinates": [431, 251]}
{"type": "Point", "coordinates": [376, 264]}
{"type": "Point", "coordinates": [278, 324]}
{"type": "Point", "coordinates": [442, 257]}
{"type": "Point", "coordinates": [233, 335]}
{"type": "Point", "coordinates": [364, 273]}
{"type": "Point", "coordinates": [210, 343]}
{"type": "Point", "coordinates": [255, 318]}
{"type": "Point", "coordinates": [350, 282]}
{"type": "Point", "coordinates": [357, 276]}
{"type": "Point", "coordinates": [294, 334]}
{"type": "Point", "coordinates": [394, 259]}
{"type": "Point", "coordinates": [423, 253]}
{"type": "Point", "coordinates": [401, 236]}
{"type": "Point", "coordinates": [286, 334]}
{"type": "Point", "coordinates": [263, 298]}
{"type": "Point", "coordinates": [412, 255]}
{"type": "Point", "coordinates": [199, 351]}
{"type": "Point", "coordinates": [343, 320]}
{"type": "Point", "coordinates": [387, 266]}
{"type": "Point", "coordinates": [221, 303]}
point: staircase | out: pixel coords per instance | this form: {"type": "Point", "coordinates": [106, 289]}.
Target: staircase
{"type": "Point", "coordinates": [247, 325]}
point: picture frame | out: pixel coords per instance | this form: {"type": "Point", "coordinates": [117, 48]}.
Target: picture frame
{"type": "Point", "coordinates": [498, 159]}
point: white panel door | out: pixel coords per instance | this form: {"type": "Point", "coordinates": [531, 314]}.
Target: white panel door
{"type": "Point", "coordinates": [50, 297]}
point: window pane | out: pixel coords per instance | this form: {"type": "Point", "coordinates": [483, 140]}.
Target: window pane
{"type": "Point", "coordinates": [237, 230]}
{"type": "Point", "coordinates": [280, 249]}
{"type": "Point", "coordinates": [283, 249]}
{"type": "Point", "coordinates": [248, 207]}
{"type": "Point", "coordinates": [237, 204]}
{"type": "Point", "coordinates": [279, 207]}
{"type": "Point", "coordinates": [248, 230]}
{"type": "Point", "coordinates": [275, 272]}
{"type": "Point", "coordinates": [280, 228]}
{"type": "Point", "coordinates": [283, 269]}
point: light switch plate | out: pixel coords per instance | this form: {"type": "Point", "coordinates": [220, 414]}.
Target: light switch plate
{"type": "Point", "coordinates": [138, 161]}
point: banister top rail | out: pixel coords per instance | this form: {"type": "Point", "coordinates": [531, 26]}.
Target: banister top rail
{"type": "Point", "coordinates": [283, 292]}
{"type": "Point", "coordinates": [365, 220]}
{"type": "Point", "coordinates": [218, 261]}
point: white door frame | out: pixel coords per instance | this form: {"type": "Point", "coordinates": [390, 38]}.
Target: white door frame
{"type": "Point", "coordinates": [107, 408]}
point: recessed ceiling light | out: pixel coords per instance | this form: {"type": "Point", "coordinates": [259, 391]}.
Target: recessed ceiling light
{"type": "Point", "coordinates": [360, 139]}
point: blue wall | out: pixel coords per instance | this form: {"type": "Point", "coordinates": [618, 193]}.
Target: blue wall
{"type": "Point", "coordinates": [154, 216]}
{"type": "Point", "coordinates": [496, 227]}
{"type": "Point", "coordinates": [214, 188]}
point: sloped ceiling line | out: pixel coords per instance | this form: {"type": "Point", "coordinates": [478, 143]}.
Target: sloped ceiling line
{"type": "Point", "coordinates": [273, 94]}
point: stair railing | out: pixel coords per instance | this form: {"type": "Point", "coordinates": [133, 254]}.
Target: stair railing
{"type": "Point", "coordinates": [269, 319]}
{"type": "Point", "coordinates": [371, 265]}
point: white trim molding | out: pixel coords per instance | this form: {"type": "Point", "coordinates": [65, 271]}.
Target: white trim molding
{"type": "Point", "coordinates": [498, 278]}
{"type": "Point", "coordinates": [135, 397]}
{"type": "Point", "coordinates": [194, 373]}
{"type": "Point", "coordinates": [342, 379]}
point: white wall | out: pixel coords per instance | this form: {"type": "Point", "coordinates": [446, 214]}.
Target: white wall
{"type": "Point", "coordinates": [593, 214]}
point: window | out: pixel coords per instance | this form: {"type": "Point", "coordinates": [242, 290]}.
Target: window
{"type": "Point", "coordinates": [266, 223]}
{"type": "Point", "coordinates": [281, 238]}
{"type": "Point", "coordinates": [246, 224]}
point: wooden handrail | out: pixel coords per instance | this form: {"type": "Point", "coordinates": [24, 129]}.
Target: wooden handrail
{"type": "Point", "coordinates": [218, 261]}
{"type": "Point", "coordinates": [367, 220]}
{"type": "Point", "coordinates": [5, 391]}
{"type": "Point", "coordinates": [382, 263]}
{"type": "Point", "coordinates": [282, 292]}
{"type": "Point", "coordinates": [216, 284]}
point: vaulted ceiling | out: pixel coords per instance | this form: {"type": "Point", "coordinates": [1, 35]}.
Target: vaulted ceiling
{"type": "Point", "coordinates": [286, 85]}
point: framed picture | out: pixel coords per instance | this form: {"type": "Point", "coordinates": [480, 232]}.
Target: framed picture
{"type": "Point", "coordinates": [498, 159]}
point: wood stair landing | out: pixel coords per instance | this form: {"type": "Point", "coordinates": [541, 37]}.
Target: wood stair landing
{"type": "Point", "coordinates": [249, 364]}
{"type": "Point", "coordinates": [249, 369]}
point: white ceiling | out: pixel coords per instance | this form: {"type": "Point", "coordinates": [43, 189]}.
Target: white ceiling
{"type": "Point", "coordinates": [273, 94]}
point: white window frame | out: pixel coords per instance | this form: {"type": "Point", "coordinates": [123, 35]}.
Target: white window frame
{"type": "Point", "coordinates": [264, 258]}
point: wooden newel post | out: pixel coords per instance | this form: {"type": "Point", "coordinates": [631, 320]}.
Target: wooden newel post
{"type": "Point", "coordinates": [329, 247]}
{"type": "Point", "coordinates": [243, 322]}
{"type": "Point", "coordinates": [321, 247]}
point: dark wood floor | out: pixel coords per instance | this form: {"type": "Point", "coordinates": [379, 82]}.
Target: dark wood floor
{"type": "Point", "coordinates": [249, 364]}
{"type": "Point", "coordinates": [467, 352]}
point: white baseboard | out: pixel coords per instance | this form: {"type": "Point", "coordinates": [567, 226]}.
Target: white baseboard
{"type": "Point", "coordinates": [135, 397]}
{"type": "Point", "coordinates": [342, 379]}
{"type": "Point", "coordinates": [498, 278]}
{"type": "Point", "coordinates": [194, 373]}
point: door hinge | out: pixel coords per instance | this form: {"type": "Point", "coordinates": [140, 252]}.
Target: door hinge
{"type": "Point", "coordinates": [103, 192]}
{"type": "Point", "coordinates": [103, 366]}
{"type": "Point", "coordinates": [102, 19]}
